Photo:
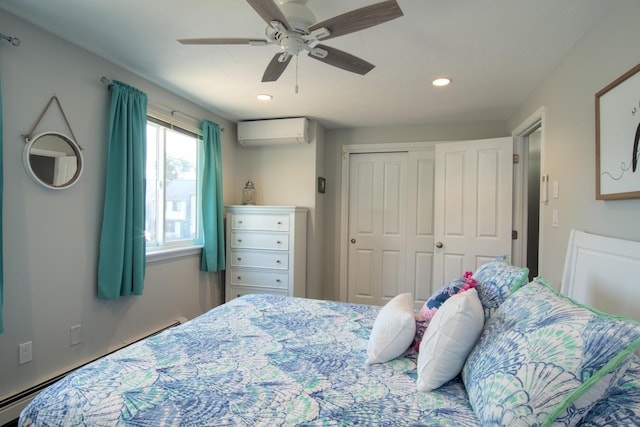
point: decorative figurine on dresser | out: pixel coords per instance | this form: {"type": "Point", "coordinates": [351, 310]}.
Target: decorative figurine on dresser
{"type": "Point", "coordinates": [266, 250]}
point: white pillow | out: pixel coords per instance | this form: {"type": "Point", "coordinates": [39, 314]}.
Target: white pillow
{"type": "Point", "coordinates": [449, 339]}
{"type": "Point", "coordinates": [393, 330]}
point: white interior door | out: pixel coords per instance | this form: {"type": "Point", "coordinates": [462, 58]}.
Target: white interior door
{"type": "Point", "coordinates": [473, 192]}
{"type": "Point", "coordinates": [420, 221]}
{"type": "Point", "coordinates": [377, 227]}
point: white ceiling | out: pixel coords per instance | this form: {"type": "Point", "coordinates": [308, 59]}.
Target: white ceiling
{"type": "Point", "coordinates": [496, 52]}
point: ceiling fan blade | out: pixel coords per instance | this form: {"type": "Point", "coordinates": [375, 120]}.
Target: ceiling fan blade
{"type": "Point", "coordinates": [275, 68]}
{"type": "Point", "coordinates": [343, 60]}
{"type": "Point", "coordinates": [359, 19]}
{"type": "Point", "coordinates": [255, 42]}
{"type": "Point", "coordinates": [269, 11]}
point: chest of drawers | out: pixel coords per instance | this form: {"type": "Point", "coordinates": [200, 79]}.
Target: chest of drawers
{"type": "Point", "coordinates": [266, 250]}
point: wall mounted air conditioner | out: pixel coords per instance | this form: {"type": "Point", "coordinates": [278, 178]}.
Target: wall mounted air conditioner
{"type": "Point", "coordinates": [256, 133]}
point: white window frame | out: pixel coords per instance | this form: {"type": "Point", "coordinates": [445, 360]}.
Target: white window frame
{"type": "Point", "coordinates": [185, 247]}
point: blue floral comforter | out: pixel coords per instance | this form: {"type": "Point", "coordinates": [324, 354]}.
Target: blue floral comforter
{"type": "Point", "coordinates": [259, 360]}
{"type": "Point", "coordinates": [264, 360]}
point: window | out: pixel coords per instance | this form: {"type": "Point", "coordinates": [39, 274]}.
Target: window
{"type": "Point", "coordinates": [172, 218]}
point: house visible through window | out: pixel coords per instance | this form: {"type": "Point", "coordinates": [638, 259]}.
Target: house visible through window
{"type": "Point", "coordinates": [172, 202]}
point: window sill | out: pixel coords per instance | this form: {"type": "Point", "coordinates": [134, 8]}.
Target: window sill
{"type": "Point", "coordinates": [167, 254]}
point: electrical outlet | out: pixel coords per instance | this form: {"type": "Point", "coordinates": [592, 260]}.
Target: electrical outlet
{"type": "Point", "coordinates": [25, 352]}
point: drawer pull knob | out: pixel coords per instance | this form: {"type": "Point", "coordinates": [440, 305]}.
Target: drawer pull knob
{"type": "Point", "coordinates": [239, 240]}
{"type": "Point", "coordinates": [279, 222]}
{"type": "Point", "coordinates": [239, 259]}
{"type": "Point", "coordinates": [278, 261]}
{"type": "Point", "coordinates": [238, 296]}
{"type": "Point", "coordinates": [279, 242]}
{"type": "Point", "coordinates": [239, 277]}
{"type": "Point", "coordinates": [278, 280]}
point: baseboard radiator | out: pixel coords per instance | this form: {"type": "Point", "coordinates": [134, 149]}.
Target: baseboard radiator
{"type": "Point", "coordinates": [11, 406]}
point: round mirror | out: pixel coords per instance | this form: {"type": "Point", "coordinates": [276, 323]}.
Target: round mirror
{"type": "Point", "coordinates": [53, 160]}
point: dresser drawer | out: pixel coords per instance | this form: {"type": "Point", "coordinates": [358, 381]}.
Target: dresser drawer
{"type": "Point", "coordinates": [259, 278]}
{"type": "Point", "coordinates": [247, 258]}
{"type": "Point", "coordinates": [259, 240]}
{"type": "Point", "coordinates": [260, 222]}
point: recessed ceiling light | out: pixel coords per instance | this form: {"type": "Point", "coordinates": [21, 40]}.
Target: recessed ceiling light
{"type": "Point", "coordinates": [264, 97]}
{"type": "Point", "coordinates": [442, 81]}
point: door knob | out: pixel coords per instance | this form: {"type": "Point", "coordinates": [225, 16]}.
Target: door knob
{"type": "Point", "coordinates": [353, 240]}
{"type": "Point", "coordinates": [439, 245]}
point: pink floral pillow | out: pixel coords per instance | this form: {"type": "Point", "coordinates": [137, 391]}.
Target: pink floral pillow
{"type": "Point", "coordinates": [428, 310]}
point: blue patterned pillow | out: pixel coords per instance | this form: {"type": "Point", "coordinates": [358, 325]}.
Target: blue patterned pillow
{"type": "Point", "coordinates": [543, 358]}
{"type": "Point", "coordinates": [621, 405]}
{"type": "Point", "coordinates": [497, 279]}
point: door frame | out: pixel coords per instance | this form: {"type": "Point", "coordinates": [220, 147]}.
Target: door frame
{"type": "Point", "coordinates": [520, 217]}
{"type": "Point", "coordinates": [347, 150]}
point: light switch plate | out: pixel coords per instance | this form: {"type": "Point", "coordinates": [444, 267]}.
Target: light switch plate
{"type": "Point", "coordinates": [75, 335]}
{"type": "Point", "coordinates": [25, 353]}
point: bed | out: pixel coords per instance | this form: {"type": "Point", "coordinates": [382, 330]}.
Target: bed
{"type": "Point", "coordinates": [268, 360]}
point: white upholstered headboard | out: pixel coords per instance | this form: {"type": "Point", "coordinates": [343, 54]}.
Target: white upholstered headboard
{"type": "Point", "coordinates": [603, 272]}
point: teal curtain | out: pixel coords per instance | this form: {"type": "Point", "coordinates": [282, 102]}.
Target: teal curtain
{"type": "Point", "coordinates": [121, 264]}
{"type": "Point", "coordinates": [212, 215]}
{"type": "Point", "coordinates": [1, 190]}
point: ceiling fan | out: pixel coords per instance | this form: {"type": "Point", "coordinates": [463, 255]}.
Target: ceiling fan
{"type": "Point", "coordinates": [293, 27]}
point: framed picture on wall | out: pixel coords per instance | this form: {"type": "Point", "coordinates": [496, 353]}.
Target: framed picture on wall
{"type": "Point", "coordinates": [617, 134]}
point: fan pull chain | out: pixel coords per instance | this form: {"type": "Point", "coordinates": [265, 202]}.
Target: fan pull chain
{"type": "Point", "coordinates": [296, 89]}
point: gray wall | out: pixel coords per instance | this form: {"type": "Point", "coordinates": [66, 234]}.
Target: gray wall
{"type": "Point", "coordinates": [568, 96]}
{"type": "Point", "coordinates": [51, 237]}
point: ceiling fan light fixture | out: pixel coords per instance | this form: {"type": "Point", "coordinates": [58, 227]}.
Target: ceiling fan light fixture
{"type": "Point", "coordinates": [441, 81]}
{"type": "Point", "coordinates": [264, 97]}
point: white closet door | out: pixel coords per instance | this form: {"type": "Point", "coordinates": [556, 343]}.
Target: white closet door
{"type": "Point", "coordinates": [420, 221]}
{"type": "Point", "coordinates": [473, 192]}
{"type": "Point", "coordinates": [377, 227]}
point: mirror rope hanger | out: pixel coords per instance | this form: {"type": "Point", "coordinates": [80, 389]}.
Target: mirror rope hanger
{"type": "Point", "coordinates": [64, 116]}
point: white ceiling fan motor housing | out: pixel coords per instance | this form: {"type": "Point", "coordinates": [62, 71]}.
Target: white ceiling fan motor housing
{"type": "Point", "coordinates": [300, 17]}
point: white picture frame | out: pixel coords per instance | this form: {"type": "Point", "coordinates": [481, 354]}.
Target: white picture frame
{"type": "Point", "coordinates": [617, 135]}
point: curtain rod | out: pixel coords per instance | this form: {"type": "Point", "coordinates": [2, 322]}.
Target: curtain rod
{"type": "Point", "coordinates": [107, 82]}
{"type": "Point", "coordinates": [13, 40]}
